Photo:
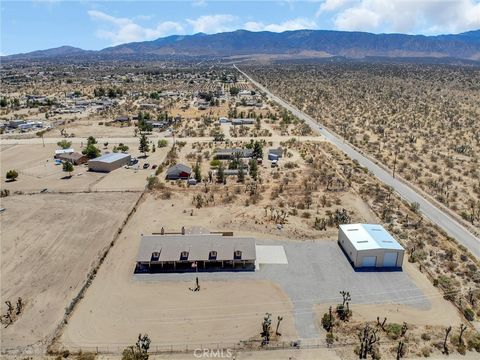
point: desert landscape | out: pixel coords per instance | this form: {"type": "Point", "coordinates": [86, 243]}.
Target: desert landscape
{"type": "Point", "coordinates": [96, 158]}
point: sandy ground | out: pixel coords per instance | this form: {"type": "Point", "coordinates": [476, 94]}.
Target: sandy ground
{"type": "Point", "coordinates": [37, 170]}
{"type": "Point", "coordinates": [118, 305]}
{"type": "Point", "coordinates": [49, 244]}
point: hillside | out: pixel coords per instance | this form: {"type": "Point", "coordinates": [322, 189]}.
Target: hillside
{"type": "Point", "coordinates": [319, 43]}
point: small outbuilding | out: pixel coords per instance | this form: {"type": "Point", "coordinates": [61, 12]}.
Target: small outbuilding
{"type": "Point", "coordinates": [60, 152]}
{"type": "Point", "coordinates": [275, 154]}
{"type": "Point", "coordinates": [370, 246]}
{"type": "Point", "coordinates": [75, 158]}
{"type": "Point", "coordinates": [109, 162]}
{"type": "Point", "coordinates": [178, 171]}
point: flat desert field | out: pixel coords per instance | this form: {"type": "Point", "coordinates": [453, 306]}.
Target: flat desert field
{"type": "Point", "coordinates": [50, 242]}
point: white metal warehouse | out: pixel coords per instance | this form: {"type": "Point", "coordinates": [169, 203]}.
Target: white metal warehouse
{"type": "Point", "coordinates": [370, 246]}
{"type": "Point", "coordinates": [109, 162]}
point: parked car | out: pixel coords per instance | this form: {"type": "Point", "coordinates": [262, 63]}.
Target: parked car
{"type": "Point", "coordinates": [146, 165]}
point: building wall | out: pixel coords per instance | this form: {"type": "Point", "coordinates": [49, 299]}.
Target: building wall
{"type": "Point", "coordinates": [379, 254]}
{"type": "Point", "coordinates": [347, 246]}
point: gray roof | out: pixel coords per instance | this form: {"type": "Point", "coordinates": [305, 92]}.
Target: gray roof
{"type": "Point", "coordinates": [111, 157]}
{"type": "Point", "coordinates": [178, 168]}
{"type": "Point", "coordinates": [242, 152]}
{"type": "Point", "coordinates": [198, 247]}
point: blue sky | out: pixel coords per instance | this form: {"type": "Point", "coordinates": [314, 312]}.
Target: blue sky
{"type": "Point", "coordinates": [41, 24]}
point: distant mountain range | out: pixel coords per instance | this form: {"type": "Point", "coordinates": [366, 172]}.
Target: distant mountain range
{"type": "Point", "coordinates": [298, 43]}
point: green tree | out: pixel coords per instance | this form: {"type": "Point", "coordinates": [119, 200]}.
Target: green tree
{"type": "Point", "coordinates": [91, 140]}
{"type": "Point", "coordinates": [139, 351]}
{"type": "Point", "coordinates": [234, 91]}
{"type": "Point", "coordinates": [91, 151]}
{"type": "Point", "coordinates": [220, 173]}
{"type": "Point", "coordinates": [143, 147]}
{"type": "Point", "coordinates": [12, 175]}
{"type": "Point", "coordinates": [197, 172]}
{"type": "Point", "coordinates": [121, 147]}
{"type": "Point", "coordinates": [257, 150]}
{"type": "Point", "coordinates": [68, 167]}
{"type": "Point", "coordinates": [253, 169]}
{"type": "Point", "coordinates": [64, 144]}
{"type": "Point", "coordinates": [241, 174]}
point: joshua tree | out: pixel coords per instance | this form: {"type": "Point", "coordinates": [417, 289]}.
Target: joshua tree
{"type": "Point", "coordinates": [400, 350]}
{"type": "Point", "coordinates": [139, 351]}
{"type": "Point", "coordinates": [19, 306]}
{"type": "Point", "coordinates": [368, 337]}
{"type": "Point", "coordinates": [266, 324]}
{"type": "Point", "coordinates": [445, 347]}
{"type": "Point", "coordinates": [460, 337]}
{"type": "Point", "coordinates": [279, 319]}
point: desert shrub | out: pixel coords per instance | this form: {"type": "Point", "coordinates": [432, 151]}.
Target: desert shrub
{"type": "Point", "coordinates": [426, 337]}
{"type": "Point", "coordinates": [152, 182]}
{"type": "Point", "coordinates": [85, 356]}
{"type": "Point", "coordinates": [469, 314]}
{"type": "Point", "coordinates": [473, 343]}
{"type": "Point", "coordinates": [326, 323]}
{"type": "Point", "coordinates": [426, 351]}
{"type": "Point", "coordinates": [162, 143]}
{"type": "Point", "coordinates": [12, 175]}
{"type": "Point", "coordinates": [394, 330]}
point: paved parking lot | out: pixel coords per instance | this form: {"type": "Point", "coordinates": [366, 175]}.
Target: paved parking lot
{"type": "Point", "coordinates": [315, 274]}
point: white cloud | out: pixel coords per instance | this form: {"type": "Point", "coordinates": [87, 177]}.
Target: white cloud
{"type": "Point", "coordinates": [294, 24]}
{"type": "Point", "coordinates": [420, 16]}
{"type": "Point", "coordinates": [121, 30]}
{"type": "Point", "coordinates": [199, 3]}
{"type": "Point", "coordinates": [330, 5]}
{"type": "Point", "coordinates": [211, 24]}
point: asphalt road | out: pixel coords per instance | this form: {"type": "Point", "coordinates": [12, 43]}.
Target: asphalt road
{"type": "Point", "coordinates": [431, 211]}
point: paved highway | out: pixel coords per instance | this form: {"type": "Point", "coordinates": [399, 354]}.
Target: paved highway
{"type": "Point", "coordinates": [431, 211]}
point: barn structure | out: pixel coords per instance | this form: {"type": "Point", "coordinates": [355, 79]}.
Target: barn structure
{"type": "Point", "coordinates": [370, 246]}
{"type": "Point", "coordinates": [178, 171]}
{"type": "Point", "coordinates": [109, 162]}
{"type": "Point", "coordinates": [195, 252]}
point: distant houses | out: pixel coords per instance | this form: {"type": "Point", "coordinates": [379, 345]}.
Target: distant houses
{"type": "Point", "coordinates": [248, 121]}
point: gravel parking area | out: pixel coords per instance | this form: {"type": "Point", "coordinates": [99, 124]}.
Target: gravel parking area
{"type": "Point", "coordinates": [315, 274]}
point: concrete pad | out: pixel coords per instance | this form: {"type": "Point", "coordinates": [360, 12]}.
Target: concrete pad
{"type": "Point", "coordinates": [271, 254]}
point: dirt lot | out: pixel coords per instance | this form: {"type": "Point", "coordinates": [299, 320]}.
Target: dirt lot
{"type": "Point", "coordinates": [37, 170]}
{"type": "Point", "coordinates": [224, 311]}
{"type": "Point", "coordinates": [49, 245]}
